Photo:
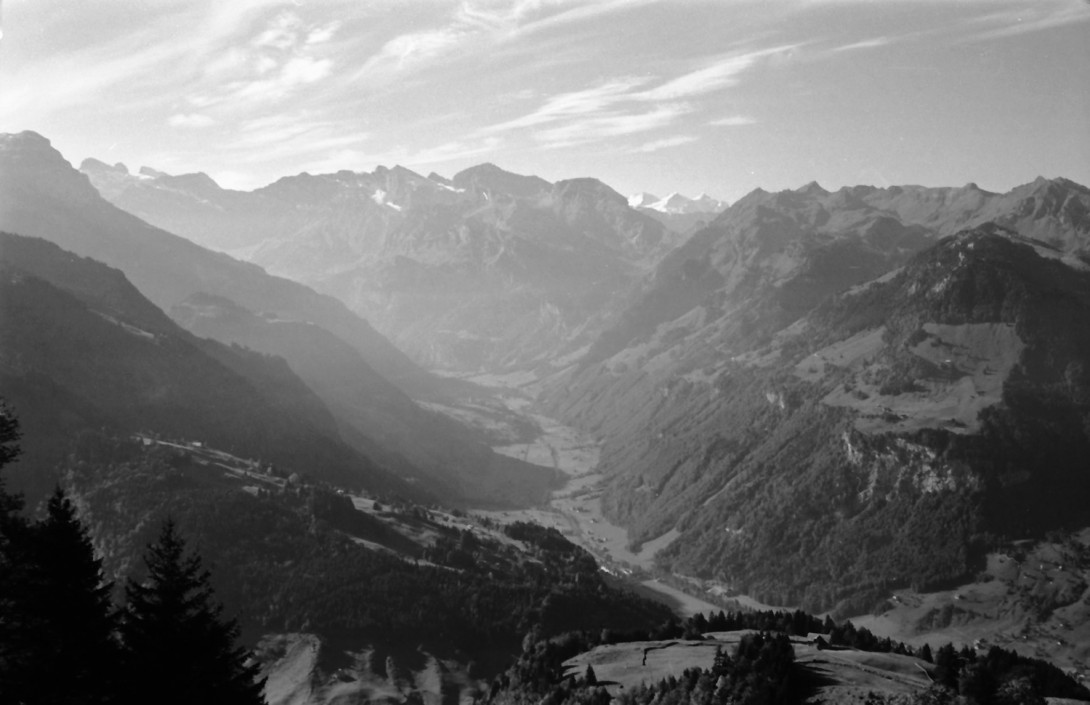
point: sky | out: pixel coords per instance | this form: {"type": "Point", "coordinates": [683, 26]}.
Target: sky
{"type": "Point", "coordinates": [713, 96]}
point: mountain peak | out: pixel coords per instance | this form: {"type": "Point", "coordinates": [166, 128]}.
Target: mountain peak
{"type": "Point", "coordinates": [30, 148]}
{"type": "Point", "coordinates": [588, 185]}
{"type": "Point", "coordinates": [1042, 183]}
{"type": "Point", "coordinates": [197, 181]}
{"type": "Point", "coordinates": [490, 178]}
{"type": "Point", "coordinates": [677, 203]}
{"type": "Point", "coordinates": [92, 165]}
{"type": "Point", "coordinates": [32, 160]}
{"type": "Point", "coordinates": [642, 200]}
{"type": "Point", "coordinates": [25, 140]}
{"type": "Point", "coordinates": [812, 189]}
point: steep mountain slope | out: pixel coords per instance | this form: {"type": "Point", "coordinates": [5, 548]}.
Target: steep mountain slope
{"type": "Point", "coordinates": [373, 414]}
{"type": "Point", "coordinates": [41, 194]}
{"type": "Point", "coordinates": [771, 257]}
{"type": "Point", "coordinates": [487, 269]}
{"type": "Point", "coordinates": [83, 349]}
{"type": "Point", "coordinates": [365, 579]}
{"type": "Point", "coordinates": [796, 382]}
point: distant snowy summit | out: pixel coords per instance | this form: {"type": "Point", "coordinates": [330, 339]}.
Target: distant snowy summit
{"type": "Point", "coordinates": [677, 203]}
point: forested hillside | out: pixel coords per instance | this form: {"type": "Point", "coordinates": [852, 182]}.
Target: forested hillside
{"type": "Point", "coordinates": [824, 401]}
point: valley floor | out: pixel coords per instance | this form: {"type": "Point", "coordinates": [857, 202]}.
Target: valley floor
{"type": "Point", "coordinates": [1035, 600]}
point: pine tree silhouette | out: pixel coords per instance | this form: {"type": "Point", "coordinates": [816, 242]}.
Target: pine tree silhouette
{"type": "Point", "coordinates": [14, 529]}
{"type": "Point", "coordinates": [57, 640]}
{"type": "Point", "coordinates": [58, 644]}
{"type": "Point", "coordinates": [179, 649]}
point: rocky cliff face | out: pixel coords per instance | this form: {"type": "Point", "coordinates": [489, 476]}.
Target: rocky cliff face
{"type": "Point", "coordinates": [826, 392]}
{"type": "Point", "coordinates": [488, 269]}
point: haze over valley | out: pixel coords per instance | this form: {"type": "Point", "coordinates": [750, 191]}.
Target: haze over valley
{"type": "Point", "coordinates": [420, 331]}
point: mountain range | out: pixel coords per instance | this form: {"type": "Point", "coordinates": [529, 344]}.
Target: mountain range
{"type": "Point", "coordinates": [84, 350]}
{"type": "Point", "coordinates": [813, 397]}
{"type": "Point", "coordinates": [486, 270]}
{"type": "Point", "coordinates": [825, 393]}
{"type": "Point", "coordinates": [362, 377]}
{"type": "Point", "coordinates": [677, 212]}
{"type": "Point", "coordinates": [778, 376]}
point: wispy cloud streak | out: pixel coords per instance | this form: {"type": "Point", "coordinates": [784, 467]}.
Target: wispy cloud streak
{"type": "Point", "coordinates": [665, 143]}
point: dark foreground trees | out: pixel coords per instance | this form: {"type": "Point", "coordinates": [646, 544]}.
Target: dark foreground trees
{"type": "Point", "coordinates": [57, 635]}
{"type": "Point", "coordinates": [63, 643]}
{"type": "Point", "coordinates": [177, 643]}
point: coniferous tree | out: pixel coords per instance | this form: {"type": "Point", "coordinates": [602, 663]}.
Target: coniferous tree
{"type": "Point", "coordinates": [925, 653]}
{"type": "Point", "coordinates": [57, 641]}
{"type": "Point", "coordinates": [9, 435]}
{"type": "Point", "coordinates": [13, 625]}
{"type": "Point", "coordinates": [63, 626]}
{"type": "Point", "coordinates": [947, 666]}
{"type": "Point", "coordinates": [179, 648]}
{"type": "Point", "coordinates": [10, 504]}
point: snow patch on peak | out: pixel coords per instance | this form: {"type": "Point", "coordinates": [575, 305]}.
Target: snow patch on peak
{"type": "Point", "coordinates": [677, 203]}
{"type": "Point", "coordinates": [379, 197]}
{"type": "Point", "coordinates": [642, 200]}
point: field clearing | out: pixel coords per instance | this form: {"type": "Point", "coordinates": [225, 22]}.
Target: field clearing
{"type": "Point", "coordinates": [560, 447]}
{"type": "Point", "coordinates": [969, 362]}
{"type": "Point", "coordinates": [1035, 601]}
{"type": "Point", "coordinates": [845, 676]}
{"type": "Point", "coordinates": [628, 665]}
{"type": "Point", "coordinates": [845, 353]}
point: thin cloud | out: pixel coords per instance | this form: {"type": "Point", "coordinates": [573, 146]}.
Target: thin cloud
{"type": "Point", "coordinates": [618, 107]}
{"type": "Point", "coordinates": [574, 104]}
{"type": "Point", "coordinates": [619, 124]}
{"type": "Point", "coordinates": [865, 44]}
{"type": "Point", "coordinates": [284, 57]}
{"type": "Point", "coordinates": [476, 27]}
{"type": "Point", "coordinates": [190, 120]}
{"type": "Point", "coordinates": [664, 143]}
{"type": "Point", "coordinates": [298, 133]}
{"type": "Point", "coordinates": [1030, 18]}
{"type": "Point", "coordinates": [447, 151]}
{"type": "Point", "coordinates": [469, 27]}
{"type": "Point", "coordinates": [305, 144]}
{"type": "Point", "coordinates": [322, 34]}
{"type": "Point", "coordinates": [733, 121]}
{"type": "Point", "coordinates": [722, 72]}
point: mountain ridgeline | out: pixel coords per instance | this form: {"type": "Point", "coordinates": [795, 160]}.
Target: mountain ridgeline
{"type": "Point", "coordinates": [83, 349]}
{"type": "Point", "coordinates": [826, 394]}
{"type": "Point", "coordinates": [356, 376]}
{"type": "Point", "coordinates": [483, 271]}
{"type": "Point", "coordinates": [820, 394]}
{"type": "Point", "coordinates": [811, 397]}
